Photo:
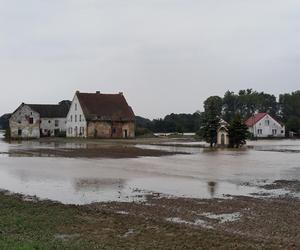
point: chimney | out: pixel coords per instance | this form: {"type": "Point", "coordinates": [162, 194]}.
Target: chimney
{"type": "Point", "coordinates": [98, 92]}
{"type": "Point", "coordinates": [77, 92]}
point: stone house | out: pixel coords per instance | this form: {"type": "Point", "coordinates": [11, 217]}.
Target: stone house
{"type": "Point", "coordinates": [39, 120]}
{"type": "Point", "coordinates": [97, 115]}
{"type": "Point", "coordinates": [262, 125]}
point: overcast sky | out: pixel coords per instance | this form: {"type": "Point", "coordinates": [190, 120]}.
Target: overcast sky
{"type": "Point", "coordinates": [165, 55]}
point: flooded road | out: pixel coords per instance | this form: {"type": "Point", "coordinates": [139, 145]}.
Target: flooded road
{"type": "Point", "coordinates": [201, 174]}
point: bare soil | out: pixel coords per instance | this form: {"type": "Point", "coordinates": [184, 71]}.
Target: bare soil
{"type": "Point", "coordinates": [116, 152]}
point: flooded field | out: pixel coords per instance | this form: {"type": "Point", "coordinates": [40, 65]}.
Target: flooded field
{"type": "Point", "coordinates": [200, 173]}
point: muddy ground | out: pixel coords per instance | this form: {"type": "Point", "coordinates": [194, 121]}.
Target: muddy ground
{"type": "Point", "coordinates": [158, 223]}
{"type": "Point", "coordinates": [115, 152]}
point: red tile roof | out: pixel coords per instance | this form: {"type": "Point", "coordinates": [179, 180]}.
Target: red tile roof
{"type": "Point", "coordinates": [105, 107]}
{"type": "Point", "coordinates": [255, 119]}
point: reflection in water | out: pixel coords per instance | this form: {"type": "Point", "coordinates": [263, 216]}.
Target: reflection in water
{"type": "Point", "coordinates": [94, 184]}
{"type": "Point", "coordinates": [212, 186]}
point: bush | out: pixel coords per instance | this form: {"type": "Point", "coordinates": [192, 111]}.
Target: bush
{"type": "Point", "coordinates": [143, 131]}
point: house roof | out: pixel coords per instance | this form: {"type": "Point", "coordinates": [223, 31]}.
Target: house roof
{"type": "Point", "coordinates": [255, 119]}
{"type": "Point", "coordinates": [105, 107]}
{"type": "Point", "coordinates": [51, 110]}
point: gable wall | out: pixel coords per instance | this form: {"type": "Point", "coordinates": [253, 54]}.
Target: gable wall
{"type": "Point", "coordinates": [267, 130]}
{"type": "Point", "coordinates": [20, 121]}
{"type": "Point", "coordinates": [72, 125]}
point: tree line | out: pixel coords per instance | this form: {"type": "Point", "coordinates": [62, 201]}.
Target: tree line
{"type": "Point", "coordinates": [245, 103]}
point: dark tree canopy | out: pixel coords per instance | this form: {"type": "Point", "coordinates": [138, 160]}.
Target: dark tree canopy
{"type": "Point", "coordinates": [238, 132]}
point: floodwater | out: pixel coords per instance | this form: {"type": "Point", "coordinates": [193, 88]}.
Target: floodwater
{"type": "Point", "coordinates": [202, 174]}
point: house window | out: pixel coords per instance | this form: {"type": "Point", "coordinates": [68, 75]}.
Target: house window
{"type": "Point", "coordinates": [80, 118]}
{"type": "Point", "coordinates": [71, 131]}
{"type": "Point", "coordinates": [274, 131]}
{"type": "Point", "coordinates": [71, 118]}
{"type": "Point", "coordinates": [49, 121]}
{"type": "Point", "coordinates": [19, 132]}
{"type": "Point", "coordinates": [114, 130]}
{"type": "Point", "coordinates": [259, 131]}
{"type": "Point", "coordinates": [75, 106]}
{"type": "Point", "coordinates": [56, 123]}
{"type": "Point", "coordinates": [75, 118]}
{"type": "Point", "coordinates": [267, 122]}
{"type": "Point", "coordinates": [282, 131]}
{"type": "Point", "coordinates": [30, 120]}
{"type": "Point", "coordinates": [19, 122]}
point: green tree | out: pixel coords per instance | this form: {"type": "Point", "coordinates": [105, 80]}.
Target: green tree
{"type": "Point", "coordinates": [293, 124]}
{"type": "Point", "coordinates": [230, 106]}
{"type": "Point", "coordinates": [238, 132]}
{"type": "Point", "coordinates": [212, 114]}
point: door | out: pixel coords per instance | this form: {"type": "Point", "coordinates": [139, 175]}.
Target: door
{"type": "Point", "coordinates": [125, 133]}
{"type": "Point", "coordinates": [222, 139]}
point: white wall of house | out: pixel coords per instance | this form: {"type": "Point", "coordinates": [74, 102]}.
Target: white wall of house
{"type": "Point", "coordinates": [76, 122]}
{"type": "Point", "coordinates": [48, 126]}
{"type": "Point", "coordinates": [25, 123]}
{"type": "Point", "coordinates": [267, 127]}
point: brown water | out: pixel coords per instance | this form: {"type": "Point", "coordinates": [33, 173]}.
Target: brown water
{"type": "Point", "coordinates": [203, 174]}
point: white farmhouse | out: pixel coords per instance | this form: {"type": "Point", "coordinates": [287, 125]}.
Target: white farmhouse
{"type": "Point", "coordinates": [262, 125]}
{"type": "Point", "coordinates": [97, 115]}
{"type": "Point", "coordinates": [39, 120]}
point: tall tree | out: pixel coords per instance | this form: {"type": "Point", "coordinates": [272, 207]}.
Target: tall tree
{"type": "Point", "coordinates": [238, 132]}
{"type": "Point", "coordinates": [212, 114]}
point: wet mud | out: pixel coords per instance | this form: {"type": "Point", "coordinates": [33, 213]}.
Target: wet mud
{"type": "Point", "coordinates": [116, 152]}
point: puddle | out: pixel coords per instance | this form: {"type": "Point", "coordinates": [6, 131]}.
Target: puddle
{"type": "Point", "coordinates": [223, 218]}
{"type": "Point", "coordinates": [200, 223]}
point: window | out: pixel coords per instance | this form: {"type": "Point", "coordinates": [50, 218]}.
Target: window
{"type": "Point", "coordinates": [56, 123]}
{"type": "Point", "coordinates": [282, 131]}
{"type": "Point", "coordinates": [30, 120]}
{"type": "Point", "coordinates": [19, 122]}
{"type": "Point", "coordinates": [274, 131]}
{"type": "Point", "coordinates": [267, 122]}
{"type": "Point", "coordinates": [114, 130]}
{"type": "Point", "coordinates": [80, 118]}
{"type": "Point", "coordinates": [49, 121]}
{"type": "Point", "coordinates": [75, 118]}
{"type": "Point", "coordinates": [259, 131]}
{"type": "Point", "coordinates": [71, 118]}
{"type": "Point", "coordinates": [19, 132]}
{"type": "Point", "coordinates": [75, 106]}
{"type": "Point", "coordinates": [71, 131]}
